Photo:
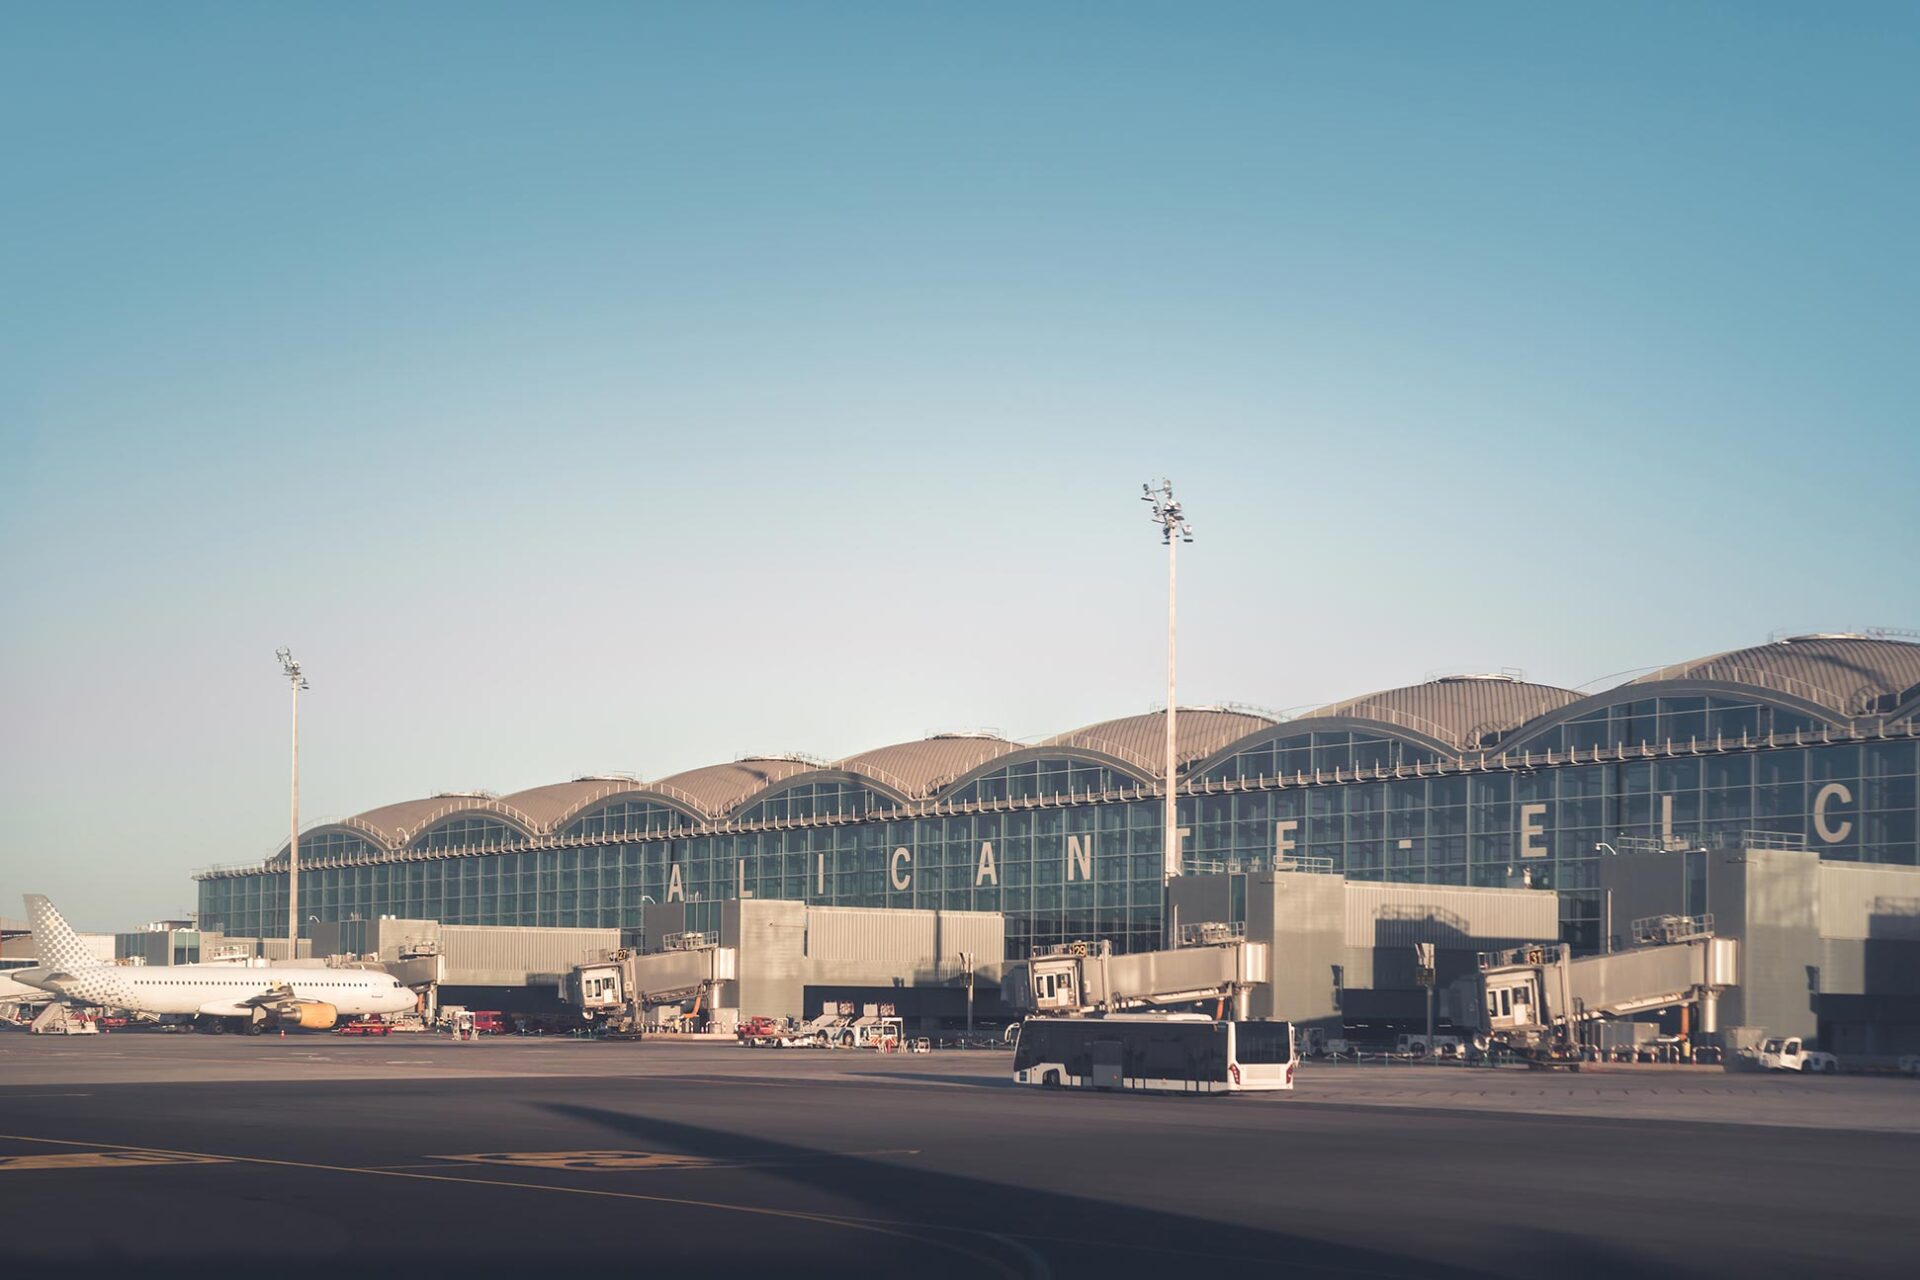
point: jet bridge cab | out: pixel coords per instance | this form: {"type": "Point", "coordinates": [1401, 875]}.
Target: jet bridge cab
{"type": "Point", "coordinates": [1513, 1002]}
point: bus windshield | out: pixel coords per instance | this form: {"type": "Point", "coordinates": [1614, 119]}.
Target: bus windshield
{"type": "Point", "coordinates": [1263, 1043]}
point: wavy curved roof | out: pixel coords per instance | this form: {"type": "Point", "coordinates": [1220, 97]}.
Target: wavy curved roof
{"type": "Point", "coordinates": [1853, 675]}
{"type": "Point", "coordinates": [918, 769]}
{"type": "Point", "coordinates": [1849, 675]}
{"type": "Point", "coordinates": [551, 805]}
{"type": "Point", "coordinates": [1460, 711]}
{"type": "Point", "coordinates": [1142, 740]}
{"type": "Point", "coordinates": [717, 789]}
{"type": "Point", "coordinates": [398, 823]}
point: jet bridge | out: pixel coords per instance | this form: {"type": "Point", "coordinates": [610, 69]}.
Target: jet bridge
{"type": "Point", "coordinates": [1214, 962]}
{"type": "Point", "coordinates": [1541, 1002]}
{"type": "Point", "coordinates": [623, 986]}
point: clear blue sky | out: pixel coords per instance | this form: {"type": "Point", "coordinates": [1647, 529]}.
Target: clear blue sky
{"type": "Point", "coordinates": [631, 386]}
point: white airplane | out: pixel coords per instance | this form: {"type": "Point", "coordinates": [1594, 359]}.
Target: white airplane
{"type": "Point", "coordinates": [16, 993]}
{"type": "Point", "coordinates": [273, 995]}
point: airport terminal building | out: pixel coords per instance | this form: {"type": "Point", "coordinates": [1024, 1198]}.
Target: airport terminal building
{"type": "Point", "coordinates": [1808, 742]}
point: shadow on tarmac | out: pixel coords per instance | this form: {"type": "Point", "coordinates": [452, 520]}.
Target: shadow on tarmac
{"type": "Point", "coordinates": [971, 1082]}
{"type": "Point", "coordinates": [1064, 1235]}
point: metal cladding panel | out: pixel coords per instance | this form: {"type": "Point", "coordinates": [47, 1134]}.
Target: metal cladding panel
{"type": "Point", "coordinates": [658, 919]}
{"type": "Point", "coordinates": [1147, 972]}
{"type": "Point", "coordinates": [1298, 920]}
{"type": "Point", "coordinates": [1193, 899]}
{"type": "Point", "coordinates": [1142, 740]}
{"type": "Point", "coordinates": [770, 935]}
{"type": "Point", "coordinates": [672, 970]}
{"type": "Point", "coordinates": [1841, 672]}
{"type": "Point", "coordinates": [1859, 901]}
{"type": "Point", "coordinates": [923, 767]}
{"type": "Point", "coordinates": [903, 937]}
{"type": "Point", "coordinates": [1456, 709]}
{"type": "Point", "coordinates": [1777, 894]}
{"type": "Point", "coordinates": [486, 955]}
{"type": "Point", "coordinates": [1450, 917]}
{"type": "Point", "coordinates": [1603, 982]}
{"type": "Point", "coordinates": [394, 934]}
{"type": "Point", "coordinates": [1869, 967]}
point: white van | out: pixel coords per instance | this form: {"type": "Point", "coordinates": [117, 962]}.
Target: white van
{"type": "Point", "coordinates": [1789, 1053]}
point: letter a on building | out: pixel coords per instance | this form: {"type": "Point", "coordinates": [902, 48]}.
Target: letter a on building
{"type": "Point", "coordinates": [985, 873]}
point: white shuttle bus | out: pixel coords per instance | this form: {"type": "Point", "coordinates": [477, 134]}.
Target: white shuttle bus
{"type": "Point", "coordinates": [1156, 1053]}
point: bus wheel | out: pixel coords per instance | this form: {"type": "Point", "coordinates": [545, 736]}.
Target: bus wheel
{"type": "Point", "coordinates": [1050, 1079]}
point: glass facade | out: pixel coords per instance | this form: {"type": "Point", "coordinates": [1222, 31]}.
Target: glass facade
{"type": "Point", "coordinates": [1070, 848]}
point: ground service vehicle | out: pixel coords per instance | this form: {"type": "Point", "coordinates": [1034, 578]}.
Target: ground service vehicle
{"type": "Point", "coordinates": [363, 1027]}
{"type": "Point", "coordinates": [757, 1029]}
{"type": "Point", "coordinates": [1789, 1053]}
{"type": "Point", "coordinates": [1156, 1053]}
{"type": "Point", "coordinates": [1428, 1047]}
{"type": "Point", "coordinates": [490, 1022]}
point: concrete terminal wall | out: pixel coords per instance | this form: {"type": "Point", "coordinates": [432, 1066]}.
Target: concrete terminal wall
{"type": "Point", "coordinates": [787, 946]}
{"type": "Point", "coordinates": [1453, 918]}
{"type": "Point", "coordinates": [485, 956]}
{"type": "Point", "coordinates": [1777, 897]}
{"type": "Point", "coordinates": [1332, 940]}
{"type": "Point", "coordinates": [1301, 918]}
{"type": "Point", "coordinates": [1821, 942]}
{"type": "Point", "coordinates": [1859, 901]}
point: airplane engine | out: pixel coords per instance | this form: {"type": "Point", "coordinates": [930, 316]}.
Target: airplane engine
{"type": "Point", "coordinates": [307, 1015]}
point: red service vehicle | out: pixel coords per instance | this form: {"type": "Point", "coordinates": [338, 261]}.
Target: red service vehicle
{"type": "Point", "coordinates": [365, 1027]}
{"type": "Point", "coordinates": [490, 1022]}
{"type": "Point", "coordinates": [755, 1029]}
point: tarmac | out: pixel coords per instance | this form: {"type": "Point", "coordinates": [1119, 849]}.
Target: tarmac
{"type": "Point", "coordinates": [319, 1153]}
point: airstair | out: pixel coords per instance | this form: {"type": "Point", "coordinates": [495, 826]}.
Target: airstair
{"type": "Point", "coordinates": [62, 1019]}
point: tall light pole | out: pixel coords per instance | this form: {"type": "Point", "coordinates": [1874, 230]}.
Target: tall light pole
{"type": "Point", "coordinates": [298, 680]}
{"type": "Point", "coordinates": [1174, 530]}
{"type": "Point", "coordinates": [966, 966]}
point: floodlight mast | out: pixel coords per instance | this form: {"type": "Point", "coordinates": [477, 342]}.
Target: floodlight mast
{"type": "Point", "coordinates": [1174, 530]}
{"type": "Point", "coordinates": [298, 680]}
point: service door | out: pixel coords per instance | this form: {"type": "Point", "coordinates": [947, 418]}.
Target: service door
{"type": "Point", "coordinates": [1106, 1064]}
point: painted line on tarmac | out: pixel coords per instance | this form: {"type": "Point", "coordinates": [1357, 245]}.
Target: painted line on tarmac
{"type": "Point", "coordinates": [1035, 1269]}
{"type": "Point", "coordinates": [130, 1159]}
{"type": "Point", "coordinates": [9, 1097]}
{"type": "Point", "coordinates": [602, 1161]}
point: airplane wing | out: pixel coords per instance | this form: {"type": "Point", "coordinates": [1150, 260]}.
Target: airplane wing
{"type": "Point", "coordinates": [226, 1009]}
{"type": "Point", "coordinates": [281, 994]}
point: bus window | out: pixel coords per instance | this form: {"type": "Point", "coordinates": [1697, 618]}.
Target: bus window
{"type": "Point", "coordinates": [1263, 1043]}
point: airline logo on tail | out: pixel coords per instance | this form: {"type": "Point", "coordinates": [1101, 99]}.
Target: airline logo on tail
{"type": "Point", "coordinates": [59, 949]}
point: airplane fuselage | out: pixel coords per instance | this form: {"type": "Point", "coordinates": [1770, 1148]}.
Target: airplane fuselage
{"type": "Point", "coordinates": [225, 990]}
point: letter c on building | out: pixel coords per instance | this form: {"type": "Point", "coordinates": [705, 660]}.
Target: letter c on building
{"type": "Point", "coordinates": [901, 879]}
{"type": "Point", "coordinates": [1827, 832]}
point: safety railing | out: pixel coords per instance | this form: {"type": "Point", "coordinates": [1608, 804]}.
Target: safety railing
{"type": "Point", "coordinates": [1668, 929]}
